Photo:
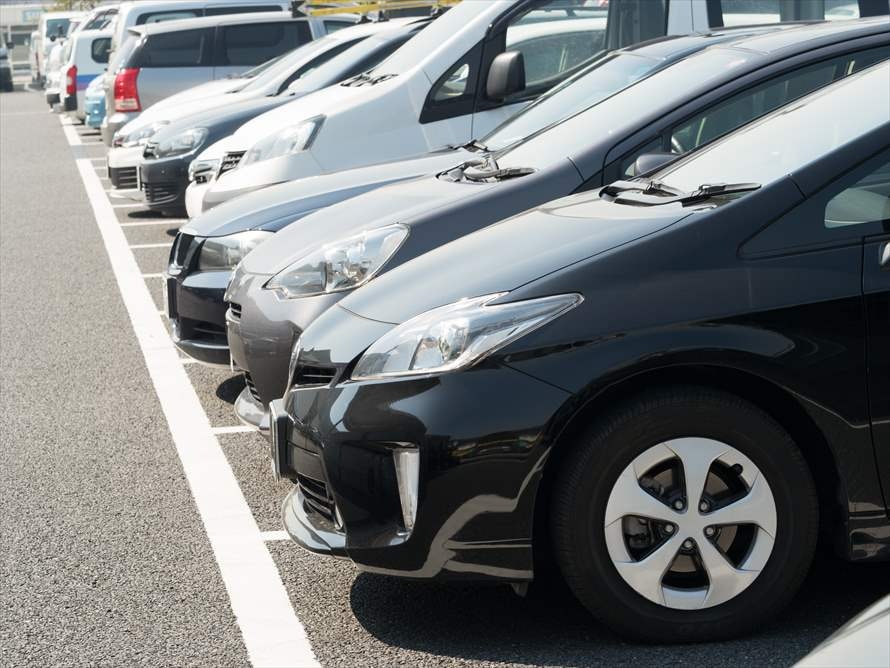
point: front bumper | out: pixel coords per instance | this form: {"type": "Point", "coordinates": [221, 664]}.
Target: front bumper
{"type": "Point", "coordinates": [164, 182]}
{"type": "Point", "coordinates": [260, 175]}
{"type": "Point", "coordinates": [479, 439]}
{"type": "Point", "coordinates": [94, 113]}
{"type": "Point", "coordinates": [115, 122]}
{"type": "Point", "coordinates": [194, 198]}
{"type": "Point", "coordinates": [123, 167]}
{"type": "Point", "coordinates": [195, 304]}
{"type": "Point", "coordinates": [261, 330]}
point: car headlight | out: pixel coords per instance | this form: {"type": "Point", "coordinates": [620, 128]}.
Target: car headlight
{"type": "Point", "coordinates": [292, 139]}
{"type": "Point", "coordinates": [343, 265]}
{"type": "Point", "coordinates": [201, 171]}
{"type": "Point", "coordinates": [140, 136]}
{"type": "Point", "coordinates": [220, 253]}
{"type": "Point", "coordinates": [184, 142]}
{"type": "Point", "coordinates": [457, 336]}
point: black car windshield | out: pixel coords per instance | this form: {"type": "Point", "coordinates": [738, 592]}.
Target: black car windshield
{"type": "Point", "coordinates": [784, 141]}
{"type": "Point", "coordinates": [596, 82]}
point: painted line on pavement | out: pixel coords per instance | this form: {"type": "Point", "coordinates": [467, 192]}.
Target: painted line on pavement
{"type": "Point", "coordinates": [175, 223]}
{"type": "Point", "coordinates": [273, 636]}
{"type": "Point", "coordinates": [270, 536]}
{"type": "Point", "coordinates": [239, 429]}
{"type": "Point", "coordinates": [166, 244]}
{"type": "Point", "coordinates": [152, 275]}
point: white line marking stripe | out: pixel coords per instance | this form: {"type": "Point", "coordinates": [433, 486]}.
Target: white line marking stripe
{"type": "Point", "coordinates": [274, 535]}
{"type": "Point", "coordinates": [152, 275]}
{"type": "Point", "coordinates": [168, 223]}
{"type": "Point", "coordinates": [165, 244]}
{"type": "Point", "coordinates": [272, 633]}
{"type": "Point", "coordinates": [239, 429]}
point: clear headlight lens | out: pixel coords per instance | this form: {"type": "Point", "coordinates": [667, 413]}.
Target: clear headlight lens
{"type": "Point", "coordinates": [140, 136]}
{"type": "Point", "coordinates": [219, 253]}
{"type": "Point", "coordinates": [457, 336]}
{"type": "Point", "coordinates": [184, 142]}
{"type": "Point", "coordinates": [292, 139]}
{"type": "Point", "coordinates": [202, 171]}
{"type": "Point", "coordinates": [343, 265]}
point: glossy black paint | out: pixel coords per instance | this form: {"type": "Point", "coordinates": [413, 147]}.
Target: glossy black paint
{"type": "Point", "coordinates": [437, 210]}
{"type": "Point", "coordinates": [671, 295]}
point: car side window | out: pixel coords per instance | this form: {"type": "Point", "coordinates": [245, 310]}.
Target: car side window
{"type": "Point", "coordinates": [748, 105]}
{"type": "Point", "coordinates": [158, 17]}
{"type": "Point", "coordinates": [100, 49]}
{"type": "Point", "coordinates": [240, 9]}
{"type": "Point", "coordinates": [555, 38]}
{"type": "Point", "coordinates": [454, 84]}
{"type": "Point", "coordinates": [183, 48]}
{"type": "Point", "coordinates": [334, 26]}
{"type": "Point", "coordinates": [254, 43]}
{"type": "Point", "coordinates": [866, 201]}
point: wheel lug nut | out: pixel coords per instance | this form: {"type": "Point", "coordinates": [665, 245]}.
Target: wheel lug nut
{"type": "Point", "coordinates": [669, 528]}
{"type": "Point", "coordinates": [709, 531]}
{"type": "Point", "coordinates": [687, 544]}
{"type": "Point", "coordinates": [678, 504]}
{"type": "Point", "coordinates": [704, 506]}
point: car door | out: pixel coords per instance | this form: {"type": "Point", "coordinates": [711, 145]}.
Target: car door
{"type": "Point", "coordinates": [173, 61]}
{"type": "Point", "coordinates": [240, 47]}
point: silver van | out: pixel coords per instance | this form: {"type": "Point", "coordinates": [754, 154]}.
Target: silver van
{"type": "Point", "coordinates": [161, 59]}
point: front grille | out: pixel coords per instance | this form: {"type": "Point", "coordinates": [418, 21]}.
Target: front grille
{"type": "Point", "coordinates": [123, 177]}
{"type": "Point", "coordinates": [150, 152]}
{"type": "Point", "coordinates": [180, 250]}
{"type": "Point", "coordinates": [236, 310]}
{"type": "Point", "coordinates": [317, 496]}
{"type": "Point", "coordinates": [313, 375]}
{"type": "Point", "coordinates": [230, 161]}
{"type": "Point", "coordinates": [160, 192]}
{"type": "Point", "coordinates": [251, 387]}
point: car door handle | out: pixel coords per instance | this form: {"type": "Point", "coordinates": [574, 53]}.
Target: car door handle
{"type": "Point", "coordinates": [885, 257]}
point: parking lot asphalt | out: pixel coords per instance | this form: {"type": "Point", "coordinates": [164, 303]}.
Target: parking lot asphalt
{"type": "Point", "coordinates": [106, 558]}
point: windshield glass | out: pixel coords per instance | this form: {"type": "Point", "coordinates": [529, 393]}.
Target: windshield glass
{"type": "Point", "coordinates": [601, 79]}
{"type": "Point", "coordinates": [57, 27]}
{"type": "Point", "coordinates": [785, 141]}
{"type": "Point", "coordinates": [281, 67]}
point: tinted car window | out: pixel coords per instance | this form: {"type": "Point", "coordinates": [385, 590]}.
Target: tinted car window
{"type": "Point", "coordinates": [240, 9]}
{"type": "Point", "coordinates": [158, 17]}
{"type": "Point", "coordinates": [786, 140]}
{"type": "Point", "coordinates": [182, 48]}
{"type": "Point", "coordinates": [867, 201]}
{"type": "Point", "coordinates": [100, 48]}
{"type": "Point", "coordinates": [334, 26]}
{"type": "Point", "coordinates": [57, 27]}
{"type": "Point", "coordinates": [254, 43]}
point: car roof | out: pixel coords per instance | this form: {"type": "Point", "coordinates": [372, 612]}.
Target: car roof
{"type": "Point", "coordinates": [213, 21]}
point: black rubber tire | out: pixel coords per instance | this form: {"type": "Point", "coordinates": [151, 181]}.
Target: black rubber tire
{"type": "Point", "coordinates": [600, 455]}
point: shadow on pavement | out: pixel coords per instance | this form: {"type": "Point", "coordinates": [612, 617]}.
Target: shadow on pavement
{"type": "Point", "coordinates": [490, 623]}
{"type": "Point", "coordinates": [229, 389]}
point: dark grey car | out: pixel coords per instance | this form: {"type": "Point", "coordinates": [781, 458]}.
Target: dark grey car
{"type": "Point", "coordinates": [283, 285]}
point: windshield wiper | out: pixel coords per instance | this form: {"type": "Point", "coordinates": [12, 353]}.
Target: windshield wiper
{"type": "Point", "coordinates": [653, 193]}
{"type": "Point", "coordinates": [366, 79]}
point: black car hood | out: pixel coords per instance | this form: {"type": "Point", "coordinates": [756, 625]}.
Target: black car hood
{"type": "Point", "coordinates": [509, 254]}
{"type": "Point", "coordinates": [274, 208]}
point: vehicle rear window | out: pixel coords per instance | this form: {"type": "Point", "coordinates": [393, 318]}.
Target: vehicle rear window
{"type": "Point", "coordinates": [183, 48]}
{"type": "Point", "coordinates": [255, 43]}
{"type": "Point", "coordinates": [100, 49]}
{"type": "Point", "coordinates": [57, 27]}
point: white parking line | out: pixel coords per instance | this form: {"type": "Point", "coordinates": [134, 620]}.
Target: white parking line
{"type": "Point", "coordinates": [239, 429]}
{"type": "Point", "coordinates": [273, 636]}
{"type": "Point", "coordinates": [168, 223]}
{"type": "Point", "coordinates": [152, 275]}
{"type": "Point", "coordinates": [128, 205]}
{"type": "Point", "coordinates": [270, 536]}
{"type": "Point", "coordinates": [165, 244]}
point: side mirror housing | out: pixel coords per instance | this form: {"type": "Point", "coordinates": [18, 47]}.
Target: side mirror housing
{"type": "Point", "coordinates": [506, 75]}
{"type": "Point", "coordinates": [649, 162]}
{"type": "Point", "coordinates": [52, 38]}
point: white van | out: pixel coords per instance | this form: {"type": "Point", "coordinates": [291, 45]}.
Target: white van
{"type": "Point", "coordinates": [84, 58]}
{"type": "Point", "coordinates": [52, 27]}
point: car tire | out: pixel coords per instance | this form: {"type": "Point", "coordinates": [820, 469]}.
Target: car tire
{"type": "Point", "coordinates": [621, 577]}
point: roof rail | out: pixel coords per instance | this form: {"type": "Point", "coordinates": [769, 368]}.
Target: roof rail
{"type": "Point", "coordinates": [322, 8]}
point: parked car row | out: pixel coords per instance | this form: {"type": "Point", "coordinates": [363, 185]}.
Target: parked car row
{"type": "Point", "coordinates": [595, 287]}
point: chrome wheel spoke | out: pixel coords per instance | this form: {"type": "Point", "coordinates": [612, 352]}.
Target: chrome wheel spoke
{"type": "Point", "coordinates": [628, 498]}
{"type": "Point", "coordinates": [697, 455]}
{"type": "Point", "coordinates": [645, 576]}
{"type": "Point", "coordinates": [726, 581]}
{"type": "Point", "coordinates": [756, 507]}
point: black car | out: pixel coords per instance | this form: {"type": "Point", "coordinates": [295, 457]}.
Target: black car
{"type": "Point", "coordinates": [669, 383]}
{"type": "Point", "coordinates": [698, 96]}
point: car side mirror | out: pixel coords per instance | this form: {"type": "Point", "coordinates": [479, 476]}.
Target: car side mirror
{"type": "Point", "coordinates": [506, 75]}
{"type": "Point", "coordinates": [52, 38]}
{"type": "Point", "coordinates": [649, 162]}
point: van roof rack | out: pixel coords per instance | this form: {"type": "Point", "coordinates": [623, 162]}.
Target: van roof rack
{"type": "Point", "coordinates": [365, 7]}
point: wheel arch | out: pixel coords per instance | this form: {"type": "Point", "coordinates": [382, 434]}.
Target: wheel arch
{"type": "Point", "coordinates": [777, 402]}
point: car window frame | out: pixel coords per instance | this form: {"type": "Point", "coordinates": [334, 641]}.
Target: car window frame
{"type": "Point", "coordinates": [220, 57]}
